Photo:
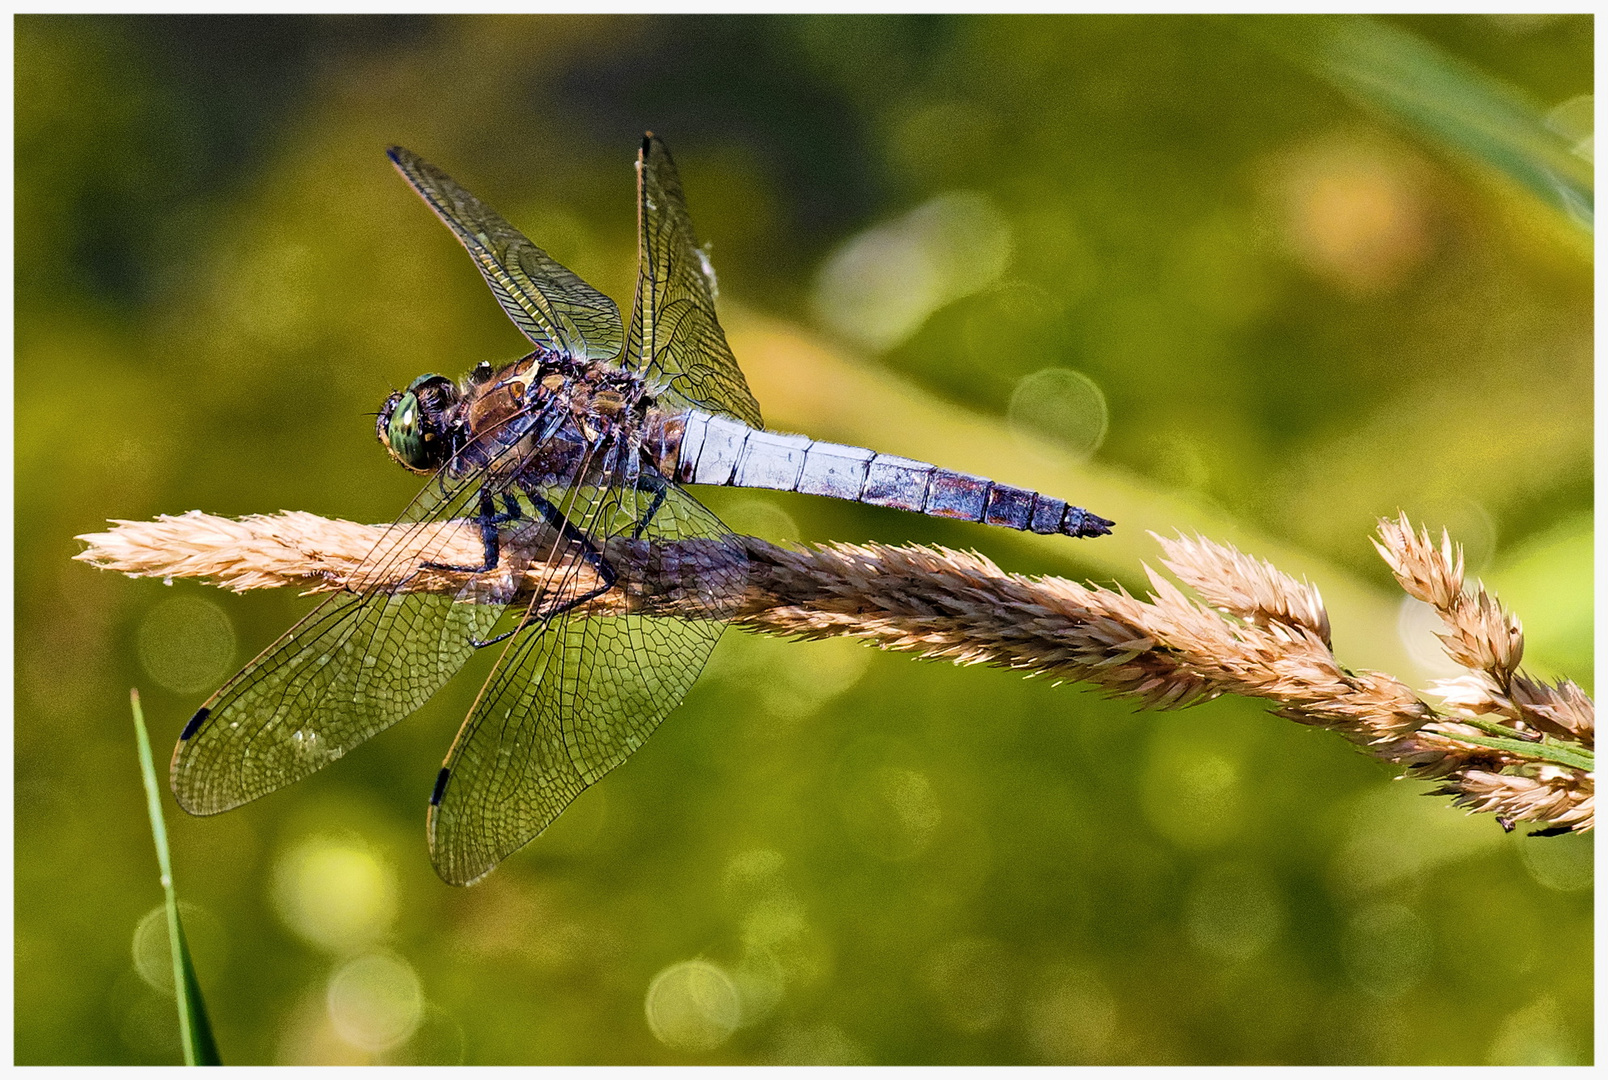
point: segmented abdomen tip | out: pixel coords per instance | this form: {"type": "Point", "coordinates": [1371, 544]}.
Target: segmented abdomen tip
{"type": "Point", "coordinates": [1088, 524]}
{"type": "Point", "coordinates": [1095, 525]}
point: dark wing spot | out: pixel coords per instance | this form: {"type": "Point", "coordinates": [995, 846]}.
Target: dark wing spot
{"type": "Point", "coordinates": [195, 723]}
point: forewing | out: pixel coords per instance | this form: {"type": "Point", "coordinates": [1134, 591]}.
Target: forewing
{"type": "Point", "coordinates": [355, 665]}
{"type": "Point", "coordinates": [675, 336]}
{"type": "Point", "coordinates": [547, 301]}
{"type": "Point", "coordinates": [572, 699]}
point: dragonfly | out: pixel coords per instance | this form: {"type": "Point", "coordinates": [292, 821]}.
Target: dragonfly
{"type": "Point", "coordinates": [570, 460]}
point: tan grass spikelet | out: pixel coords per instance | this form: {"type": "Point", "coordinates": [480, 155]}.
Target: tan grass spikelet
{"type": "Point", "coordinates": [1561, 708]}
{"type": "Point", "coordinates": [1251, 589]}
{"type": "Point", "coordinates": [1481, 635]}
{"type": "Point", "coordinates": [1484, 638]}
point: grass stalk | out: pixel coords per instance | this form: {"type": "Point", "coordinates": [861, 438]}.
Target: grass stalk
{"type": "Point", "coordinates": [195, 1032]}
{"type": "Point", "coordinates": [1254, 631]}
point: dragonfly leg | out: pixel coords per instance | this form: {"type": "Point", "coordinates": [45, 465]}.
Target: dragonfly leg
{"type": "Point", "coordinates": [660, 489]}
{"type": "Point", "coordinates": [488, 519]}
{"type": "Point", "coordinates": [589, 552]}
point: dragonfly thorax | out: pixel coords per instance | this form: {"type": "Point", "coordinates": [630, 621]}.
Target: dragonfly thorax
{"type": "Point", "coordinates": [570, 402]}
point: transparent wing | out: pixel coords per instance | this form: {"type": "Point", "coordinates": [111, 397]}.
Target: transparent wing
{"type": "Point", "coordinates": [547, 301]}
{"type": "Point", "coordinates": [675, 336]}
{"type": "Point", "coordinates": [355, 665]}
{"type": "Point", "coordinates": [574, 697]}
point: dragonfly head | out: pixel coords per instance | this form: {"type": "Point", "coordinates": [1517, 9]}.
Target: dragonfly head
{"type": "Point", "coordinates": [412, 424]}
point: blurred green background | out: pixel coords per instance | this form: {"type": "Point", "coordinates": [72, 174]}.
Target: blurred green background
{"type": "Point", "coordinates": [1177, 269]}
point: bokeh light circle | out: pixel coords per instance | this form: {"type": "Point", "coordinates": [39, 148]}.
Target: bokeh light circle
{"type": "Point", "coordinates": [1063, 405]}
{"type": "Point", "coordinates": [375, 1001]}
{"type": "Point", "coordinates": [785, 680]}
{"type": "Point", "coordinates": [1192, 795]}
{"type": "Point", "coordinates": [881, 285]}
{"type": "Point", "coordinates": [1419, 627]}
{"type": "Point", "coordinates": [1387, 949]}
{"type": "Point", "coordinates": [186, 644]}
{"type": "Point", "coordinates": [153, 959]}
{"type": "Point", "coordinates": [1073, 1021]}
{"type": "Point", "coordinates": [336, 895]}
{"type": "Point", "coordinates": [890, 811]}
{"type": "Point", "coordinates": [971, 979]}
{"type": "Point", "coordinates": [1563, 863]}
{"type": "Point", "coordinates": [693, 1005]}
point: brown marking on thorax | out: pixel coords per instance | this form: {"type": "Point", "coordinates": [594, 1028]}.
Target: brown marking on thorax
{"type": "Point", "coordinates": [498, 399]}
{"type": "Point", "coordinates": [593, 405]}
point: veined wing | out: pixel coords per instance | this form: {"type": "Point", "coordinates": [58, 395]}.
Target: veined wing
{"type": "Point", "coordinates": [355, 665]}
{"type": "Point", "coordinates": [575, 696]}
{"type": "Point", "coordinates": [547, 301]}
{"type": "Point", "coordinates": [675, 336]}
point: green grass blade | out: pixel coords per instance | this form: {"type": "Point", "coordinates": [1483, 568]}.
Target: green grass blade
{"type": "Point", "coordinates": [1556, 753]}
{"type": "Point", "coordinates": [1452, 103]}
{"type": "Point", "coordinates": [195, 1032]}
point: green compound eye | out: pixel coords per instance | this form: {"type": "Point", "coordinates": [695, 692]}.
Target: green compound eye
{"type": "Point", "coordinates": [410, 423]}
{"type": "Point", "coordinates": [404, 434]}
